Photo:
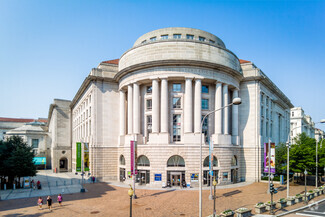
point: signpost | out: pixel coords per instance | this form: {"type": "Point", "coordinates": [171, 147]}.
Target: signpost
{"type": "Point", "coordinates": [210, 167]}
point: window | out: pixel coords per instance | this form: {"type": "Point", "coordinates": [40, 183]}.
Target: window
{"type": "Point", "coordinates": [164, 37]}
{"type": "Point", "coordinates": [262, 111]}
{"type": "Point", "coordinates": [143, 161]}
{"type": "Point", "coordinates": [267, 113]}
{"type": "Point", "coordinates": [205, 128]}
{"type": "Point", "coordinates": [262, 127]}
{"type": "Point", "coordinates": [149, 89]}
{"type": "Point", "coordinates": [205, 104]}
{"type": "Point", "coordinates": [225, 176]}
{"type": "Point", "coordinates": [211, 41]}
{"type": "Point", "coordinates": [271, 130]}
{"type": "Point", "coordinates": [176, 102]}
{"type": "Point", "coordinates": [35, 143]}
{"type": "Point", "coordinates": [206, 161]}
{"type": "Point", "coordinates": [143, 41]}
{"type": "Point", "coordinates": [153, 39]}
{"type": "Point", "coordinates": [262, 98]}
{"type": "Point", "coordinates": [89, 111]}
{"type": "Point", "coordinates": [177, 87]}
{"type": "Point", "coordinates": [292, 114]}
{"type": "Point", "coordinates": [267, 129]}
{"type": "Point", "coordinates": [205, 89]}
{"type": "Point", "coordinates": [149, 124]}
{"type": "Point", "coordinates": [176, 128]}
{"type": "Point", "coordinates": [149, 104]}
{"type": "Point", "coordinates": [267, 101]}
{"type": "Point", "coordinates": [234, 161]}
{"type": "Point", "coordinates": [176, 161]}
{"type": "Point", "coordinates": [177, 36]}
{"type": "Point", "coordinates": [122, 160]}
{"type": "Point", "coordinates": [89, 128]}
{"type": "Point", "coordinates": [190, 37]}
{"type": "Point", "coordinates": [201, 38]}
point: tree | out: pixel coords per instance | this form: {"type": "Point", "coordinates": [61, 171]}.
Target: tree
{"type": "Point", "coordinates": [280, 158]}
{"type": "Point", "coordinates": [16, 159]}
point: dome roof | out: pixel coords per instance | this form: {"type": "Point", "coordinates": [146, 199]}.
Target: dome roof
{"type": "Point", "coordinates": [179, 33]}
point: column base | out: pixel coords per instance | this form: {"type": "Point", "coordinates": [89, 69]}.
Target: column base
{"type": "Point", "coordinates": [221, 139]}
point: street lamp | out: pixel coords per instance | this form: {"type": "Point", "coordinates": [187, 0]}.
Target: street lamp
{"type": "Point", "coordinates": [235, 101]}
{"type": "Point", "coordinates": [305, 186]}
{"type": "Point", "coordinates": [130, 193]}
{"type": "Point", "coordinates": [288, 146]}
{"type": "Point", "coordinates": [214, 183]}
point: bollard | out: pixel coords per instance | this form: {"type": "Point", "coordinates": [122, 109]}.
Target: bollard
{"type": "Point", "coordinates": [5, 187]}
{"type": "Point", "coordinates": [14, 187]}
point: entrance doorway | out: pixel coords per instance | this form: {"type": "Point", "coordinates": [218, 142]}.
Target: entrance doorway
{"type": "Point", "coordinates": [234, 175]}
{"type": "Point", "coordinates": [143, 177]}
{"type": "Point", "coordinates": [206, 177]}
{"type": "Point", "coordinates": [63, 164]}
{"type": "Point", "coordinates": [122, 174]}
{"type": "Point", "coordinates": [176, 178]}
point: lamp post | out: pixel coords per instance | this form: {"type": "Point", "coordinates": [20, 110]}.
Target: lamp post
{"type": "Point", "coordinates": [305, 186]}
{"type": "Point", "coordinates": [235, 101]}
{"type": "Point", "coordinates": [130, 193]}
{"type": "Point", "coordinates": [322, 121]}
{"type": "Point", "coordinates": [214, 183]}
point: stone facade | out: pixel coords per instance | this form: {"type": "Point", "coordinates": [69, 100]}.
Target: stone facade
{"type": "Point", "coordinates": [301, 123]}
{"type": "Point", "coordinates": [157, 93]}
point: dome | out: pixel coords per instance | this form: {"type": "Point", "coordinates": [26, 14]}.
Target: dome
{"type": "Point", "coordinates": [180, 33]}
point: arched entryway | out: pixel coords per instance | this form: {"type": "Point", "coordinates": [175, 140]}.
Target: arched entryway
{"type": "Point", "coordinates": [206, 170]}
{"type": "Point", "coordinates": [122, 168]}
{"type": "Point", "coordinates": [175, 175]}
{"type": "Point", "coordinates": [63, 164]}
{"type": "Point", "coordinates": [143, 165]}
{"type": "Point", "coordinates": [234, 169]}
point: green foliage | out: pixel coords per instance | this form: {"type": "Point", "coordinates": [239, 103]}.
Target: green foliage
{"type": "Point", "coordinates": [16, 159]}
{"type": "Point", "coordinates": [280, 158]}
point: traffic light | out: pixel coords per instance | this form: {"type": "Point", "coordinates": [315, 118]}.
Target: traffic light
{"type": "Point", "coordinates": [272, 189]}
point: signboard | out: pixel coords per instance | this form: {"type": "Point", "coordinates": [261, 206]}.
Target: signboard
{"type": "Point", "coordinates": [211, 158]}
{"type": "Point", "coordinates": [133, 147]}
{"type": "Point", "coordinates": [78, 149]}
{"type": "Point", "coordinates": [39, 160]}
{"type": "Point", "coordinates": [158, 177]}
{"type": "Point", "coordinates": [266, 157]}
{"type": "Point", "coordinates": [86, 156]}
{"type": "Point", "coordinates": [194, 177]}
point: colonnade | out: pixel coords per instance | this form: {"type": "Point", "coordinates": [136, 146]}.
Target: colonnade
{"type": "Point", "coordinates": [160, 111]}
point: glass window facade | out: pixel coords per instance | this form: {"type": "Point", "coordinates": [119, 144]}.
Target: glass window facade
{"type": "Point", "coordinates": [205, 128]}
{"type": "Point", "coordinates": [164, 37]}
{"type": "Point", "coordinates": [177, 87]}
{"type": "Point", "coordinates": [189, 36]}
{"type": "Point", "coordinates": [177, 36]}
{"type": "Point", "coordinates": [205, 89]}
{"type": "Point", "coordinates": [153, 39]}
{"type": "Point", "coordinates": [205, 104]}
{"type": "Point", "coordinates": [149, 104]}
{"type": "Point", "coordinates": [176, 128]}
{"type": "Point", "coordinates": [176, 102]}
{"type": "Point", "coordinates": [201, 38]}
{"type": "Point", "coordinates": [35, 143]}
{"type": "Point", "coordinates": [149, 89]}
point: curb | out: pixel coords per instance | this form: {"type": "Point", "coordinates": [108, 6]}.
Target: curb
{"type": "Point", "coordinates": [301, 208]}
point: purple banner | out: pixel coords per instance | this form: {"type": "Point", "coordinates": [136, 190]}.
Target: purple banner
{"type": "Point", "coordinates": [133, 146]}
{"type": "Point", "coordinates": [266, 157]}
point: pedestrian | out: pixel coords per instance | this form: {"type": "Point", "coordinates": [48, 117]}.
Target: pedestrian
{"type": "Point", "coordinates": [49, 202]}
{"type": "Point", "coordinates": [93, 178]}
{"type": "Point", "coordinates": [60, 198]}
{"type": "Point", "coordinates": [40, 202]}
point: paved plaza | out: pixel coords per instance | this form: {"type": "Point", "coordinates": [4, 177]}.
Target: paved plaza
{"type": "Point", "coordinates": [108, 199]}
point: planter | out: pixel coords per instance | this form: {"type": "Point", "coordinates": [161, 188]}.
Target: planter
{"type": "Point", "coordinates": [298, 199]}
{"type": "Point", "coordinates": [290, 202]}
{"type": "Point", "coordinates": [311, 195]}
{"type": "Point", "coordinates": [228, 215]}
{"type": "Point", "coordinates": [246, 213]}
{"type": "Point", "coordinates": [268, 206]}
{"type": "Point", "coordinates": [260, 209]}
{"type": "Point", "coordinates": [316, 193]}
{"type": "Point", "coordinates": [281, 204]}
{"type": "Point", "coordinates": [306, 198]}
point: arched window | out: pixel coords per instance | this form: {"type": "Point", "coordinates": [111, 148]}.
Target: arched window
{"type": "Point", "coordinates": [122, 160]}
{"type": "Point", "coordinates": [176, 161]}
{"type": "Point", "coordinates": [234, 161]}
{"type": "Point", "coordinates": [143, 161]}
{"type": "Point", "coordinates": [206, 162]}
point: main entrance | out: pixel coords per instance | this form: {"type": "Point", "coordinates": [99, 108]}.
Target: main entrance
{"type": "Point", "coordinates": [206, 177]}
{"type": "Point", "coordinates": [143, 177]}
{"type": "Point", "coordinates": [63, 164]}
{"type": "Point", "coordinates": [175, 178]}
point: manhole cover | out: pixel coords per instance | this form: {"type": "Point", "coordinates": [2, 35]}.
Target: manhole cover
{"type": "Point", "coordinates": [94, 212]}
{"type": "Point", "coordinates": [148, 208]}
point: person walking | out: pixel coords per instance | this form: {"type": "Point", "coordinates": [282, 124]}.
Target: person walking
{"type": "Point", "coordinates": [60, 198]}
{"type": "Point", "coordinates": [40, 202]}
{"type": "Point", "coordinates": [93, 179]}
{"type": "Point", "coordinates": [49, 203]}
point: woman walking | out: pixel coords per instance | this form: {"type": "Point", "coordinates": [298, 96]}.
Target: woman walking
{"type": "Point", "coordinates": [40, 202]}
{"type": "Point", "coordinates": [60, 199]}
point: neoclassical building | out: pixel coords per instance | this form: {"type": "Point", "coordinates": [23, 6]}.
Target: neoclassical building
{"type": "Point", "coordinates": [156, 94]}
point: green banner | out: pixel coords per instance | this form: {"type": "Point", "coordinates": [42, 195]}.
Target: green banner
{"type": "Point", "coordinates": [86, 156]}
{"type": "Point", "coordinates": [78, 148]}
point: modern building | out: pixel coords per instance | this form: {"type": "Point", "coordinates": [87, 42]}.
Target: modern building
{"type": "Point", "coordinates": [301, 123]}
{"type": "Point", "coordinates": [156, 94]}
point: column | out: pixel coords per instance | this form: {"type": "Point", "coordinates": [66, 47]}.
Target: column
{"type": "Point", "coordinates": [122, 113]}
{"type": "Point", "coordinates": [130, 109]}
{"type": "Point", "coordinates": [164, 105]}
{"type": "Point", "coordinates": [235, 115]}
{"type": "Point", "coordinates": [136, 108]}
{"type": "Point", "coordinates": [197, 106]}
{"type": "Point", "coordinates": [188, 106]}
{"type": "Point", "coordinates": [225, 110]}
{"type": "Point", "coordinates": [155, 106]}
{"type": "Point", "coordinates": [218, 114]}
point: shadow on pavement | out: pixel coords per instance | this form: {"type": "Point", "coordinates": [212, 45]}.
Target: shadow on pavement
{"type": "Point", "coordinates": [231, 193]}
{"type": "Point", "coordinates": [94, 191]}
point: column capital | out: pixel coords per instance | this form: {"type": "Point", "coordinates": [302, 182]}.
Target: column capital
{"type": "Point", "coordinates": [218, 82]}
{"type": "Point", "coordinates": [189, 78]}
{"type": "Point", "coordinates": [154, 78]}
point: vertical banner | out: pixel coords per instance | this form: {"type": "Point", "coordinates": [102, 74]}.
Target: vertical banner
{"type": "Point", "coordinates": [266, 157]}
{"type": "Point", "coordinates": [132, 156]}
{"type": "Point", "coordinates": [211, 158]}
{"type": "Point", "coordinates": [135, 157]}
{"type": "Point", "coordinates": [86, 156]}
{"type": "Point", "coordinates": [78, 149]}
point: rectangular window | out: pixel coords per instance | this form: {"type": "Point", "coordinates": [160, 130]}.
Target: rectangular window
{"type": "Point", "coordinates": [225, 176]}
{"type": "Point", "coordinates": [267, 113]}
{"type": "Point", "coordinates": [267, 101]}
{"type": "Point", "coordinates": [262, 127]}
{"type": "Point", "coordinates": [262, 98]}
{"type": "Point", "coordinates": [149, 104]}
{"type": "Point", "coordinates": [35, 143]}
{"type": "Point", "coordinates": [201, 38]}
{"type": "Point", "coordinates": [164, 37]}
{"type": "Point", "coordinates": [211, 41]}
{"type": "Point", "coordinates": [177, 87]}
{"type": "Point", "coordinates": [205, 128]}
{"type": "Point", "coordinates": [205, 89]}
{"type": "Point", "coordinates": [149, 125]}
{"type": "Point", "coordinates": [271, 130]}
{"type": "Point", "coordinates": [267, 129]}
{"type": "Point", "coordinates": [190, 37]}
{"type": "Point", "coordinates": [149, 89]}
{"type": "Point", "coordinates": [153, 39]}
{"type": "Point", "coordinates": [177, 36]}
{"type": "Point", "coordinates": [143, 41]}
{"type": "Point", "coordinates": [262, 111]}
{"type": "Point", "coordinates": [176, 102]}
{"type": "Point", "coordinates": [205, 104]}
{"type": "Point", "coordinates": [292, 114]}
{"type": "Point", "coordinates": [176, 128]}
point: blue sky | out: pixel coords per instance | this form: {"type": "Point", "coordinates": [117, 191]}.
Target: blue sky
{"type": "Point", "coordinates": [47, 48]}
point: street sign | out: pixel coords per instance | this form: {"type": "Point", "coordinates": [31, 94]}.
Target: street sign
{"type": "Point", "coordinates": [305, 172]}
